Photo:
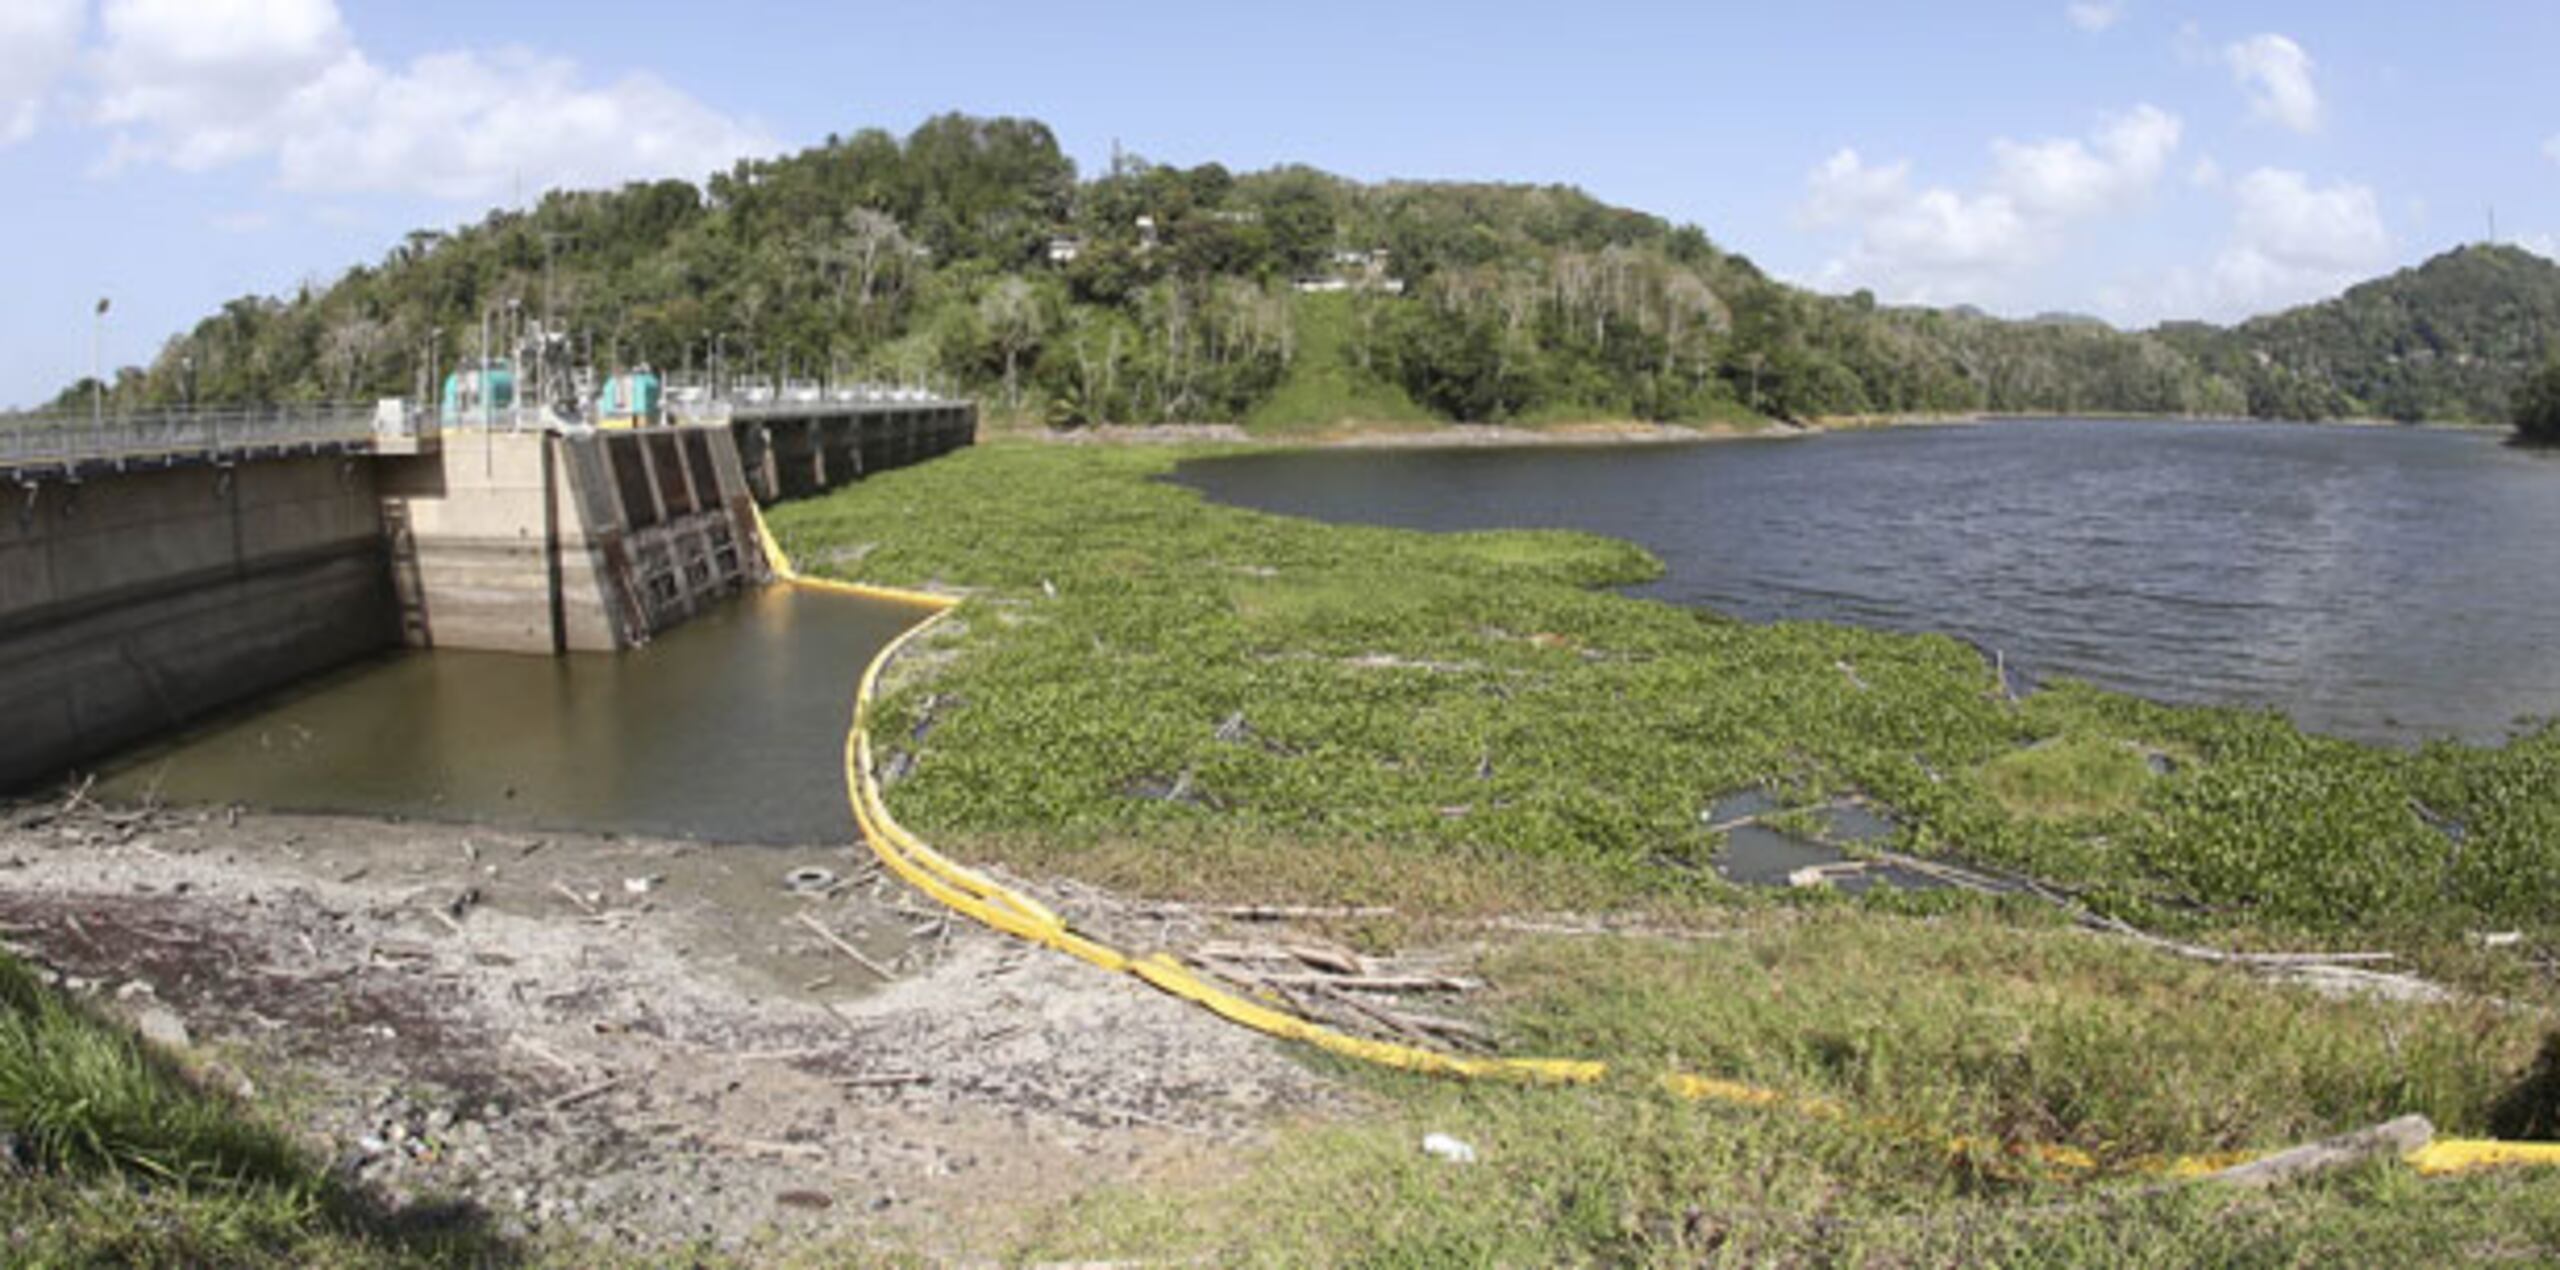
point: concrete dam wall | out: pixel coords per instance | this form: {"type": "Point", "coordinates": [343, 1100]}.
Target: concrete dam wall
{"type": "Point", "coordinates": [546, 543]}
{"type": "Point", "coordinates": [129, 605]}
{"type": "Point", "coordinates": [134, 599]}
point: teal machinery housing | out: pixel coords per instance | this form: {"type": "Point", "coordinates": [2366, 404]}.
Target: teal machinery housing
{"type": "Point", "coordinates": [478, 395]}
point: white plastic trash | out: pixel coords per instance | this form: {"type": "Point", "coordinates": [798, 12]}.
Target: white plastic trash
{"type": "Point", "coordinates": [1444, 1147]}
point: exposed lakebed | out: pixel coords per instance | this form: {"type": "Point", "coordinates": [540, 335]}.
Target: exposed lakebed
{"type": "Point", "coordinates": [2379, 583]}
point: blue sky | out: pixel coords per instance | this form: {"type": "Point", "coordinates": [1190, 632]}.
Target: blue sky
{"type": "Point", "coordinates": [2135, 159]}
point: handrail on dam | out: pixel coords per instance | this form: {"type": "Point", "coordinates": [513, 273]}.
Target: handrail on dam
{"type": "Point", "coordinates": [79, 440]}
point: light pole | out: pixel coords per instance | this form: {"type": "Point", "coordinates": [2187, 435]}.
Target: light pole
{"type": "Point", "coordinates": [187, 364]}
{"type": "Point", "coordinates": [97, 385]}
{"type": "Point", "coordinates": [515, 364]}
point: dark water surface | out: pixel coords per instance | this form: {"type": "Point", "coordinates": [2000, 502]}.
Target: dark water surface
{"type": "Point", "coordinates": [730, 727]}
{"type": "Point", "coordinates": [2381, 583]}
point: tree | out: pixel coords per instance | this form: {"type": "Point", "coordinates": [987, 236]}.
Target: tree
{"type": "Point", "coordinates": [1014, 319]}
{"type": "Point", "coordinates": [2538, 405]}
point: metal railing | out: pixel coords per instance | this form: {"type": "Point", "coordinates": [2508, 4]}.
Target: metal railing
{"type": "Point", "coordinates": [700, 399]}
{"type": "Point", "coordinates": [44, 440]}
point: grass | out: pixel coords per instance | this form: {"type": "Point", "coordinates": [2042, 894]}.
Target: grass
{"type": "Point", "coordinates": [1921, 1031]}
{"type": "Point", "coordinates": [1175, 698]}
{"type": "Point", "coordinates": [2069, 777]}
{"type": "Point", "coordinates": [120, 1159]}
{"type": "Point", "coordinates": [1588, 1179]}
{"type": "Point", "coordinates": [1325, 386]}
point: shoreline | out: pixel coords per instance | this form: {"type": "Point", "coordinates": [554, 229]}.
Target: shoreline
{"type": "Point", "coordinates": [1593, 433]}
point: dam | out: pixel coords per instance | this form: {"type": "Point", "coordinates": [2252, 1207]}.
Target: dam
{"type": "Point", "coordinates": [155, 569]}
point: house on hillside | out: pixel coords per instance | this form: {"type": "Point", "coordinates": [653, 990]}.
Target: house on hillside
{"type": "Point", "coordinates": [1353, 271]}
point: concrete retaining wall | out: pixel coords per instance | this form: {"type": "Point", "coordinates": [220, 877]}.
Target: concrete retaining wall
{"type": "Point", "coordinates": [134, 603]}
{"type": "Point", "coordinates": [537, 543]}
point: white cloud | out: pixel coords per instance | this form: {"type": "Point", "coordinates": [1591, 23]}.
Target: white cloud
{"type": "Point", "coordinates": [2063, 177]}
{"type": "Point", "coordinates": [202, 83]}
{"type": "Point", "coordinates": [2291, 242]}
{"type": "Point", "coordinates": [2206, 174]}
{"type": "Point", "coordinates": [38, 42]}
{"type": "Point", "coordinates": [2546, 246]}
{"type": "Point", "coordinates": [2277, 75]}
{"type": "Point", "coordinates": [2094, 15]}
{"type": "Point", "coordinates": [2551, 148]}
{"type": "Point", "coordinates": [2281, 213]}
{"type": "Point", "coordinates": [1941, 245]}
{"type": "Point", "coordinates": [1846, 188]}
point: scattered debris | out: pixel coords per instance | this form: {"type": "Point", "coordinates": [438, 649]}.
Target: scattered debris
{"type": "Point", "coordinates": [859, 957]}
{"type": "Point", "coordinates": [651, 1076]}
{"type": "Point", "coordinates": [1442, 1146]}
{"type": "Point", "coordinates": [2392, 1138]}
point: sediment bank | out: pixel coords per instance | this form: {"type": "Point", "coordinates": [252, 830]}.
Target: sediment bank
{"type": "Point", "coordinates": [614, 1042]}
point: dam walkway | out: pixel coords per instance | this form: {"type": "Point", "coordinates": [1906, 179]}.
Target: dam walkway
{"type": "Point", "coordinates": [73, 445]}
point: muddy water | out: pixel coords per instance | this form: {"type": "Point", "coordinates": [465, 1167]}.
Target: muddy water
{"type": "Point", "coordinates": [1756, 854]}
{"type": "Point", "coordinates": [729, 728]}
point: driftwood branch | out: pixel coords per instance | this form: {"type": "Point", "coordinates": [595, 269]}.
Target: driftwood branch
{"type": "Point", "coordinates": [583, 1093]}
{"type": "Point", "coordinates": [859, 957]}
{"type": "Point", "coordinates": [1270, 912]}
{"type": "Point", "coordinates": [1373, 983]}
{"type": "Point", "coordinates": [2392, 1139]}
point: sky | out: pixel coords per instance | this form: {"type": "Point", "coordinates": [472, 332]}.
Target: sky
{"type": "Point", "coordinates": [2131, 159]}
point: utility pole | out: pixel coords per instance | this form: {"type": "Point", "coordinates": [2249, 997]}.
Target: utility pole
{"type": "Point", "coordinates": [551, 240]}
{"type": "Point", "coordinates": [434, 389]}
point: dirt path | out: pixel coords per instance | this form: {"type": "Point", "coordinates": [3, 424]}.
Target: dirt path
{"type": "Point", "coordinates": [639, 1041]}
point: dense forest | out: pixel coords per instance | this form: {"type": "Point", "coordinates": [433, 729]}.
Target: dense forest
{"type": "Point", "coordinates": [970, 255]}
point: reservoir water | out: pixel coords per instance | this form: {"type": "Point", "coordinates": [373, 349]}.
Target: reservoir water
{"type": "Point", "coordinates": [2381, 583]}
{"type": "Point", "coordinates": [730, 727]}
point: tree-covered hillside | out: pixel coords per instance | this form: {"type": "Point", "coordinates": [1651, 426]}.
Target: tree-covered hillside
{"type": "Point", "coordinates": [971, 255]}
{"type": "Point", "coordinates": [2450, 339]}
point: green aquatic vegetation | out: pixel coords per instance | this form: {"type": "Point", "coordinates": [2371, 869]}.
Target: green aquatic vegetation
{"type": "Point", "coordinates": [2068, 777]}
{"type": "Point", "coordinates": [1166, 696]}
{"type": "Point", "coordinates": [1138, 666]}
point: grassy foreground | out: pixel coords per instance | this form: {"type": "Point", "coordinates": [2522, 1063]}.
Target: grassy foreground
{"type": "Point", "coordinates": [1176, 698]}
{"type": "Point", "coordinates": [110, 1154]}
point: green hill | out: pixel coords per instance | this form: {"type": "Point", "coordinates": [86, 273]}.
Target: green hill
{"type": "Point", "coordinates": [970, 254]}
{"type": "Point", "coordinates": [2450, 339]}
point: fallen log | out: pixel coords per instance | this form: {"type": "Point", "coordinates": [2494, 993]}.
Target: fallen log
{"type": "Point", "coordinates": [1374, 983]}
{"type": "Point", "coordinates": [2391, 1139]}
